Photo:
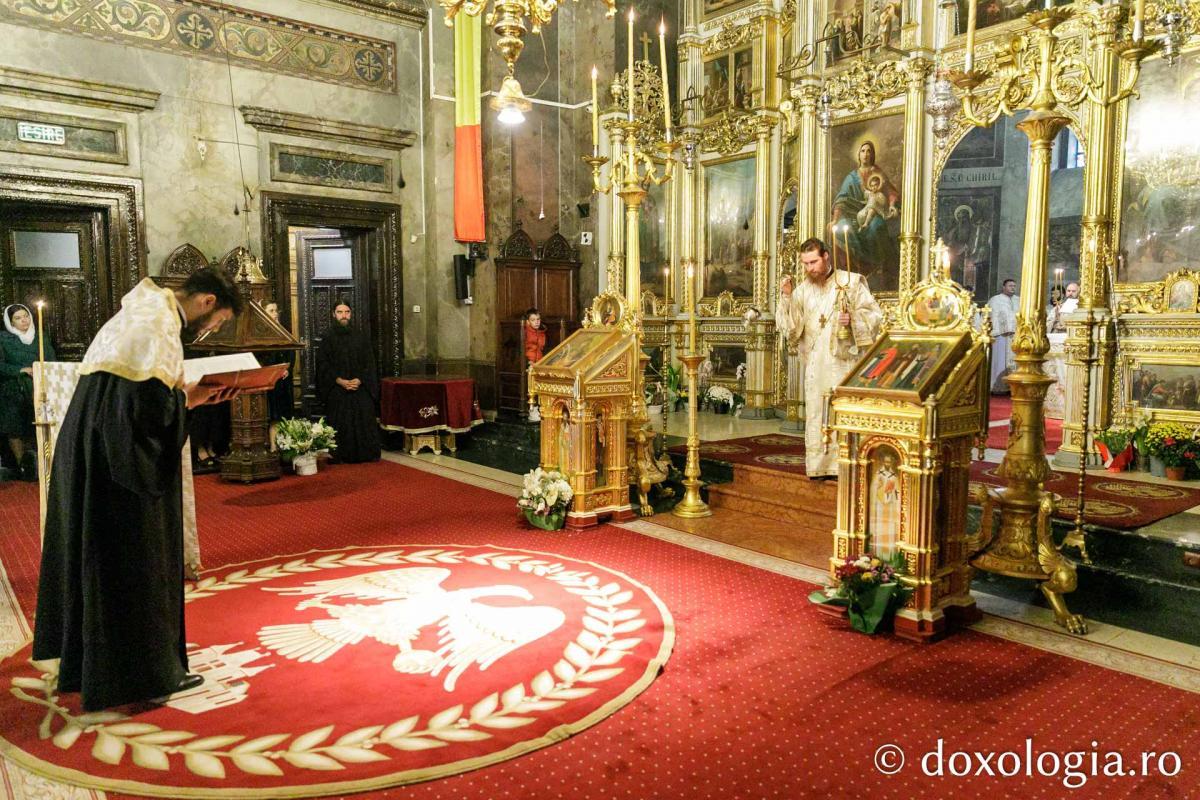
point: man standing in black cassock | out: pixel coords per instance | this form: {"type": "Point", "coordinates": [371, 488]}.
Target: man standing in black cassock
{"type": "Point", "coordinates": [349, 388]}
{"type": "Point", "coordinates": [110, 593]}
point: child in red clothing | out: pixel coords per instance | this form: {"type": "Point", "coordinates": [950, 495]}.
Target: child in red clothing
{"type": "Point", "coordinates": [535, 336]}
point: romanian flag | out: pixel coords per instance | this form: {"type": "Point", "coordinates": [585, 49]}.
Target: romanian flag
{"type": "Point", "coordinates": [468, 153]}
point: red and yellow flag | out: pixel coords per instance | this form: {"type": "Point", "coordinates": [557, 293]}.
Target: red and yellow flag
{"type": "Point", "coordinates": [468, 152]}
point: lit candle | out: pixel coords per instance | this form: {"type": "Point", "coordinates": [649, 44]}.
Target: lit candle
{"type": "Point", "coordinates": [595, 115]}
{"type": "Point", "coordinates": [846, 243]}
{"type": "Point", "coordinates": [662, 56]}
{"type": "Point", "coordinates": [1139, 11]}
{"type": "Point", "coordinates": [835, 261]}
{"type": "Point", "coordinates": [1049, 4]}
{"type": "Point", "coordinates": [629, 91]}
{"type": "Point", "coordinates": [970, 61]}
{"type": "Point", "coordinates": [41, 337]}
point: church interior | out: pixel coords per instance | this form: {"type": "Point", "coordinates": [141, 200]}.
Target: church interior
{"type": "Point", "coordinates": [756, 398]}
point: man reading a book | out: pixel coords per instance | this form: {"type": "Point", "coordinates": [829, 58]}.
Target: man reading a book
{"type": "Point", "coordinates": [348, 386]}
{"type": "Point", "coordinates": [110, 598]}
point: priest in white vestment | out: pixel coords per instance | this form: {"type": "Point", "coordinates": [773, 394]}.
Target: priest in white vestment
{"type": "Point", "coordinates": [808, 317]}
{"type": "Point", "coordinates": [1055, 317]}
{"type": "Point", "coordinates": [1004, 324]}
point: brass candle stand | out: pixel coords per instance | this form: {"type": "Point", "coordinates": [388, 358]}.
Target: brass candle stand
{"type": "Point", "coordinates": [692, 506]}
{"type": "Point", "coordinates": [1035, 73]}
{"type": "Point", "coordinates": [1076, 538]}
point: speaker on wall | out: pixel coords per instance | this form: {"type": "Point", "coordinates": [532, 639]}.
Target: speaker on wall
{"type": "Point", "coordinates": [464, 270]}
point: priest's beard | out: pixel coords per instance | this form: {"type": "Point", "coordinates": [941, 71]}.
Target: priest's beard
{"type": "Point", "coordinates": [197, 326]}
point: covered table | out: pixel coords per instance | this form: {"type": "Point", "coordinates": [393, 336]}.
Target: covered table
{"type": "Point", "coordinates": [429, 412]}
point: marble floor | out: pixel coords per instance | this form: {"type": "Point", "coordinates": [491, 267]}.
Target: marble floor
{"type": "Point", "coordinates": [731, 535]}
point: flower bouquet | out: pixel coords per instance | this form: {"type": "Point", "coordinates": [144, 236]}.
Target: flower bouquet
{"type": "Point", "coordinates": [868, 588]}
{"type": "Point", "coordinates": [545, 498]}
{"type": "Point", "coordinates": [301, 441]}
{"type": "Point", "coordinates": [720, 399]}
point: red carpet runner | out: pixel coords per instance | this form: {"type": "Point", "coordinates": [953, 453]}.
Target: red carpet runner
{"type": "Point", "coordinates": [763, 696]}
{"type": "Point", "coordinates": [775, 451]}
{"type": "Point", "coordinates": [1108, 501]}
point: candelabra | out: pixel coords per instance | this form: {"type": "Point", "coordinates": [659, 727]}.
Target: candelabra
{"type": "Point", "coordinates": [1076, 538]}
{"type": "Point", "coordinates": [1036, 73]}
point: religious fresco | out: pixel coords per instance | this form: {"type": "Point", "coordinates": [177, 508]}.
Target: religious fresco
{"type": "Point", "coordinates": [866, 160]}
{"type": "Point", "coordinates": [1160, 203]}
{"type": "Point", "coordinates": [996, 12]}
{"type": "Point", "coordinates": [967, 222]}
{"type": "Point", "coordinates": [902, 365]}
{"type": "Point", "coordinates": [654, 230]}
{"type": "Point", "coordinates": [883, 522]}
{"type": "Point", "coordinates": [854, 26]}
{"type": "Point", "coordinates": [743, 79]}
{"type": "Point", "coordinates": [1166, 386]}
{"type": "Point", "coordinates": [981, 147]}
{"type": "Point", "coordinates": [729, 229]}
{"type": "Point", "coordinates": [726, 359]}
{"type": "Point", "coordinates": [716, 85]}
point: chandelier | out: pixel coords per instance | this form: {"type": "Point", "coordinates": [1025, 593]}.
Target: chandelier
{"type": "Point", "coordinates": [508, 20]}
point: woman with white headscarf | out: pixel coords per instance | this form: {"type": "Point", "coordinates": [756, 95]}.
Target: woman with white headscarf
{"type": "Point", "coordinates": [18, 351]}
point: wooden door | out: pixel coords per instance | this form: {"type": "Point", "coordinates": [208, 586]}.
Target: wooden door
{"type": "Point", "coordinates": [332, 267]}
{"type": "Point", "coordinates": [57, 254]}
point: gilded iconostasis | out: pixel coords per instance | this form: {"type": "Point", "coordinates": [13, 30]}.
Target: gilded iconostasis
{"type": "Point", "coordinates": [802, 120]}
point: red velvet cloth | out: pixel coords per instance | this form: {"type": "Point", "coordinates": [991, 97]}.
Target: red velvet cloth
{"type": "Point", "coordinates": [416, 405]}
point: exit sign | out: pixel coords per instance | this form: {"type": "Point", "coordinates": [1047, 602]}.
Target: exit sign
{"type": "Point", "coordinates": [41, 134]}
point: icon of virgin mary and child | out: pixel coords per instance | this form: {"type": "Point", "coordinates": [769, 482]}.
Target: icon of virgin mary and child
{"type": "Point", "coordinates": [866, 201]}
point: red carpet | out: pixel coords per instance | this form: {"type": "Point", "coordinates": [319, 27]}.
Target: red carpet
{"type": "Point", "coordinates": [532, 648]}
{"type": "Point", "coordinates": [998, 436]}
{"type": "Point", "coordinates": [763, 697]}
{"type": "Point", "coordinates": [1111, 502]}
{"type": "Point", "coordinates": [775, 451]}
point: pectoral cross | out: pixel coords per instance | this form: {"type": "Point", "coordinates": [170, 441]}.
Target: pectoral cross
{"type": "Point", "coordinates": [645, 40]}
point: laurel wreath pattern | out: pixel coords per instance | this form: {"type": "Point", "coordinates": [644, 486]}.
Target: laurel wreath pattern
{"type": "Point", "coordinates": [589, 659]}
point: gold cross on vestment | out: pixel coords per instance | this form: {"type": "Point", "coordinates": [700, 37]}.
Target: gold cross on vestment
{"type": "Point", "coordinates": [645, 40]}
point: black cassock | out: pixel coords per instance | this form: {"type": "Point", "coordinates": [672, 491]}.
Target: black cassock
{"type": "Point", "coordinates": [110, 597]}
{"type": "Point", "coordinates": [346, 353]}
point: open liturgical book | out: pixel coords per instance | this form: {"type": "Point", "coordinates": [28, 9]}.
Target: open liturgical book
{"type": "Point", "coordinates": [236, 370]}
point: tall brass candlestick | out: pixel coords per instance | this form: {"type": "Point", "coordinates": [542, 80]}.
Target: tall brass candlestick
{"type": "Point", "coordinates": [41, 336]}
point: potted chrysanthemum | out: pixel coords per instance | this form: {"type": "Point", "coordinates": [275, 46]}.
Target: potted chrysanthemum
{"type": "Point", "coordinates": [301, 441]}
{"type": "Point", "coordinates": [544, 498]}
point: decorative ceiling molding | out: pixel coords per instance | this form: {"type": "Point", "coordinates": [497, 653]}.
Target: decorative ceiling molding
{"type": "Point", "coordinates": [77, 92]}
{"type": "Point", "coordinates": [218, 32]}
{"type": "Point", "coordinates": [336, 130]}
{"type": "Point", "coordinates": [406, 11]}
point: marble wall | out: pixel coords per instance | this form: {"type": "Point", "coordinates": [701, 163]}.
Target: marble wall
{"type": "Point", "coordinates": [185, 148]}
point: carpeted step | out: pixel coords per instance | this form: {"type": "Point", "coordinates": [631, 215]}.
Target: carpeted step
{"type": "Point", "coordinates": [782, 496]}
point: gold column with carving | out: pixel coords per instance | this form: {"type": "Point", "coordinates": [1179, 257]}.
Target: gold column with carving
{"type": "Point", "coordinates": [759, 363]}
{"type": "Point", "coordinates": [917, 71]}
{"type": "Point", "coordinates": [616, 230]}
{"type": "Point", "coordinates": [1096, 252]}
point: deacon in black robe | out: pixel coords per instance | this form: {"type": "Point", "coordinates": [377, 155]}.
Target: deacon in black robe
{"type": "Point", "coordinates": [110, 594]}
{"type": "Point", "coordinates": [348, 386]}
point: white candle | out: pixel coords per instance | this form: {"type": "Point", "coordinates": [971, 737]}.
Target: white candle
{"type": "Point", "coordinates": [691, 301]}
{"type": "Point", "coordinates": [1139, 10]}
{"type": "Point", "coordinates": [629, 91]}
{"type": "Point", "coordinates": [595, 115]}
{"type": "Point", "coordinates": [41, 334]}
{"type": "Point", "coordinates": [970, 61]}
{"type": "Point", "coordinates": [846, 243]}
{"type": "Point", "coordinates": [662, 55]}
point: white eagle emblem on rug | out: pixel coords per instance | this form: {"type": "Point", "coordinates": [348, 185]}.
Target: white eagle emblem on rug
{"type": "Point", "coordinates": [469, 632]}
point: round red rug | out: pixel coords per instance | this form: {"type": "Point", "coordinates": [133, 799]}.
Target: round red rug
{"type": "Point", "coordinates": [335, 672]}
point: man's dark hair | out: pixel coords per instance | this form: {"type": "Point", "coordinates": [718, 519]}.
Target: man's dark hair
{"type": "Point", "coordinates": [210, 280]}
{"type": "Point", "coordinates": [1007, 281]}
{"type": "Point", "coordinates": [340, 303]}
{"type": "Point", "coordinates": [813, 243]}
{"type": "Point", "coordinates": [531, 311]}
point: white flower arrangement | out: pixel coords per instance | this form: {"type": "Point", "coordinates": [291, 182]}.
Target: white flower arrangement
{"type": "Point", "coordinates": [545, 493]}
{"type": "Point", "coordinates": [297, 437]}
{"type": "Point", "coordinates": [741, 371]}
{"type": "Point", "coordinates": [720, 394]}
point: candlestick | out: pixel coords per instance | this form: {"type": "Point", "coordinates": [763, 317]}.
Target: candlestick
{"type": "Point", "coordinates": [41, 337]}
{"type": "Point", "coordinates": [1139, 10]}
{"type": "Point", "coordinates": [945, 261]}
{"type": "Point", "coordinates": [629, 91]}
{"type": "Point", "coordinates": [970, 60]}
{"type": "Point", "coordinates": [691, 301]}
{"type": "Point", "coordinates": [595, 115]}
{"type": "Point", "coordinates": [662, 57]}
{"type": "Point", "coordinates": [834, 228]}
